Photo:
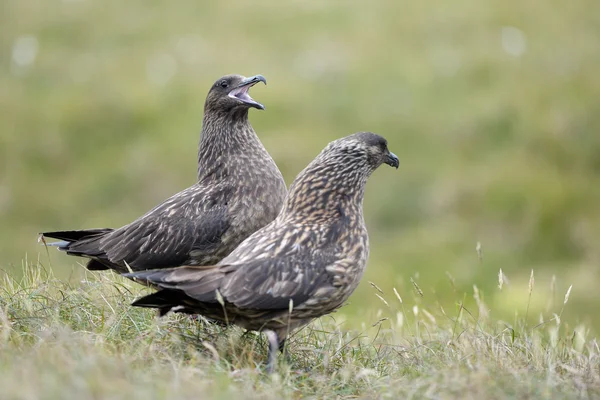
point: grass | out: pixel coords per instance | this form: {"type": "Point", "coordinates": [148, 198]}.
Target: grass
{"type": "Point", "coordinates": [61, 340]}
{"type": "Point", "coordinates": [491, 106]}
{"type": "Point", "coordinates": [101, 105]}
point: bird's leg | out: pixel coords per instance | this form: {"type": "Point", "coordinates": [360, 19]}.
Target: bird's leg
{"type": "Point", "coordinates": [274, 346]}
{"type": "Point", "coordinates": [284, 350]}
{"type": "Point", "coordinates": [281, 346]}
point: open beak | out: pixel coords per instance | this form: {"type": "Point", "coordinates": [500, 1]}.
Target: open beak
{"type": "Point", "coordinates": [392, 160]}
{"type": "Point", "coordinates": [241, 91]}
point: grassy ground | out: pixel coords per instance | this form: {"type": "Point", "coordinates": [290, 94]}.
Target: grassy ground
{"type": "Point", "coordinates": [84, 341]}
{"type": "Point", "coordinates": [491, 106]}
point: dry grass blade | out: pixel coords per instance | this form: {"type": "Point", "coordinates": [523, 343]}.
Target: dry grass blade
{"type": "Point", "coordinates": [417, 288]}
{"type": "Point", "coordinates": [48, 326]}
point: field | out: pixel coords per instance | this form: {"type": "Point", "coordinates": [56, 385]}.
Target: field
{"type": "Point", "coordinates": [85, 342]}
{"type": "Point", "coordinates": [491, 106]}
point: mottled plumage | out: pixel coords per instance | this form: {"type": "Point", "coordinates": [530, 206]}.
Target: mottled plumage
{"type": "Point", "coordinates": [310, 258]}
{"type": "Point", "coordinates": [239, 190]}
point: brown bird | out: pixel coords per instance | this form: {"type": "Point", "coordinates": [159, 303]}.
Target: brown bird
{"type": "Point", "coordinates": [303, 265]}
{"type": "Point", "coordinates": [239, 190]}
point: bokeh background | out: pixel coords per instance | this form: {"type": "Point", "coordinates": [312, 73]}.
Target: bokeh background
{"type": "Point", "coordinates": [492, 106]}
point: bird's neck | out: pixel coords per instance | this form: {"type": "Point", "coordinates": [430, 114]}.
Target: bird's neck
{"type": "Point", "coordinates": [328, 195]}
{"type": "Point", "coordinates": [223, 136]}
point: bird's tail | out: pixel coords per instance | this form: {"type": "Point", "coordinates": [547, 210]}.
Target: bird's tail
{"type": "Point", "coordinates": [198, 282]}
{"type": "Point", "coordinates": [79, 243]}
{"type": "Point", "coordinates": [164, 300]}
{"type": "Point", "coordinates": [73, 236]}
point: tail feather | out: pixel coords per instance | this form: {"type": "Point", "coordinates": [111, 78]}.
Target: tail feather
{"type": "Point", "coordinates": [72, 236]}
{"type": "Point", "coordinates": [95, 265]}
{"type": "Point", "coordinates": [177, 293]}
{"type": "Point", "coordinates": [81, 243]}
{"type": "Point", "coordinates": [199, 282]}
{"type": "Point", "coordinates": [164, 300]}
{"type": "Point", "coordinates": [62, 245]}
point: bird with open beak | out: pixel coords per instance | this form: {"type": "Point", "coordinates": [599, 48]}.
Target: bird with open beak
{"type": "Point", "coordinates": [238, 191]}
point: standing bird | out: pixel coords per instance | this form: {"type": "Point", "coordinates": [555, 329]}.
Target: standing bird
{"type": "Point", "coordinates": [303, 265]}
{"type": "Point", "coordinates": [239, 190]}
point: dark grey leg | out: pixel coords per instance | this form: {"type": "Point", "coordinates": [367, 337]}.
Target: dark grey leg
{"type": "Point", "coordinates": [284, 351]}
{"type": "Point", "coordinates": [273, 348]}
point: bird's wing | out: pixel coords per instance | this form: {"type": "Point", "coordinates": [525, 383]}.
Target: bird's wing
{"type": "Point", "coordinates": [267, 284]}
{"type": "Point", "coordinates": [270, 284]}
{"type": "Point", "coordinates": [181, 229]}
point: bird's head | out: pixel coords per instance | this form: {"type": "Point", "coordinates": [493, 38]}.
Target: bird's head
{"type": "Point", "coordinates": [338, 175]}
{"type": "Point", "coordinates": [231, 92]}
{"type": "Point", "coordinates": [364, 151]}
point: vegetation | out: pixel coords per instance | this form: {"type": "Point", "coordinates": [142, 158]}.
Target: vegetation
{"type": "Point", "coordinates": [84, 341]}
{"type": "Point", "coordinates": [491, 106]}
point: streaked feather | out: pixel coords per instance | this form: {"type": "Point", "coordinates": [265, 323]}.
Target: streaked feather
{"type": "Point", "coordinates": [312, 255]}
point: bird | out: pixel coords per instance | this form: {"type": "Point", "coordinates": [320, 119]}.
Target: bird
{"type": "Point", "coordinates": [239, 189]}
{"type": "Point", "coordinates": [304, 264]}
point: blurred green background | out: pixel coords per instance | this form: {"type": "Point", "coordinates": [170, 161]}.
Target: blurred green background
{"type": "Point", "coordinates": [492, 106]}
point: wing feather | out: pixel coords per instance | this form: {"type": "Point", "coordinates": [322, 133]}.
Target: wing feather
{"type": "Point", "coordinates": [261, 284]}
{"type": "Point", "coordinates": [270, 284]}
{"type": "Point", "coordinates": [184, 227]}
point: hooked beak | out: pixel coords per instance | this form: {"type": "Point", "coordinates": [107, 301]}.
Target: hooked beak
{"type": "Point", "coordinates": [392, 160]}
{"type": "Point", "coordinates": [241, 91]}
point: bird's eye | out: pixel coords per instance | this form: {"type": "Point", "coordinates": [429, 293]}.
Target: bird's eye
{"type": "Point", "coordinates": [223, 84]}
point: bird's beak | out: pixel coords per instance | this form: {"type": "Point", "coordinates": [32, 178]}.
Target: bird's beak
{"type": "Point", "coordinates": [253, 80]}
{"type": "Point", "coordinates": [240, 92]}
{"type": "Point", "coordinates": [392, 160]}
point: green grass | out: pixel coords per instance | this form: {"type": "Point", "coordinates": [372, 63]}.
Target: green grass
{"type": "Point", "coordinates": [84, 341]}
{"type": "Point", "coordinates": [495, 147]}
